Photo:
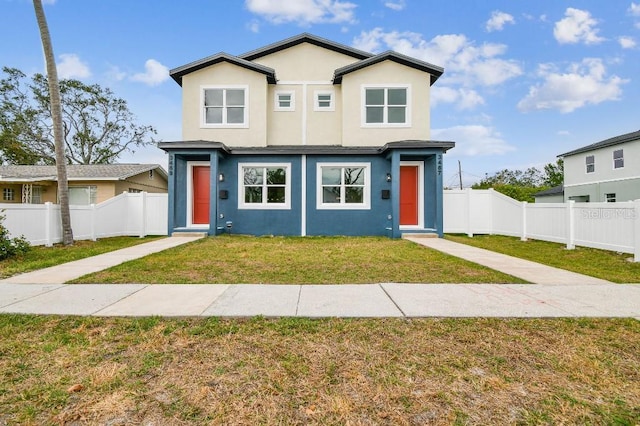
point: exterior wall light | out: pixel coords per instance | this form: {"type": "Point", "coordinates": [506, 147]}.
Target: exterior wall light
{"type": "Point", "coordinates": [221, 177]}
{"type": "Point", "coordinates": [388, 177]}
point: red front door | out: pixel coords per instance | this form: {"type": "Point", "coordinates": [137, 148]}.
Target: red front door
{"type": "Point", "coordinates": [409, 195]}
{"type": "Point", "coordinates": [201, 186]}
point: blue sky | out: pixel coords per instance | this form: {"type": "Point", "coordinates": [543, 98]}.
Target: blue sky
{"type": "Point", "coordinates": [524, 81]}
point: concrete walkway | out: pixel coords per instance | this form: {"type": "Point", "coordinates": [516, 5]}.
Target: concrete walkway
{"type": "Point", "coordinates": [559, 295]}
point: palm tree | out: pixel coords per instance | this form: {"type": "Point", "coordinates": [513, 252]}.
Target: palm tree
{"type": "Point", "coordinates": [56, 116]}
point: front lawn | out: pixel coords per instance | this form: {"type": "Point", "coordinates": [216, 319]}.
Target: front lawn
{"type": "Point", "coordinates": [298, 260]}
{"type": "Point", "coordinates": [604, 264]}
{"type": "Point", "coordinates": [117, 371]}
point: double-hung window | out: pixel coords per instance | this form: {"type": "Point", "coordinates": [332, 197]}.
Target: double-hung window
{"type": "Point", "coordinates": [264, 186]}
{"type": "Point", "coordinates": [591, 163]}
{"type": "Point", "coordinates": [224, 106]}
{"type": "Point", "coordinates": [343, 186]}
{"type": "Point", "coordinates": [618, 159]}
{"type": "Point", "coordinates": [386, 106]}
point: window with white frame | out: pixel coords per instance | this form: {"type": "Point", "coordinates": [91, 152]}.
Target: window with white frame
{"type": "Point", "coordinates": [343, 186]}
{"type": "Point", "coordinates": [224, 106]}
{"type": "Point", "coordinates": [264, 186]}
{"type": "Point", "coordinates": [610, 198]}
{"type": "Point", "coordinates": [591, 163]}
{"type": "Point", "coordinates": [618, 159]}
{"type": "Point", "coordinates": [83, 195]}
{"type": "Point", "coordinates": [323, 100]}
{"type": "Point", "coordinates": [8, 194]}
{"type": "Point", "coordinates": [386, 106]}
{"type": "Point", "coordinates": [285, 101]}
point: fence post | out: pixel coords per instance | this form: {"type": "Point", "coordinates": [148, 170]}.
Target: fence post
{"type": "Point", "coordinates": [93, 222]}
{"type": "Point", "coordinates": [636, 230]}
{"type": "Point", "coordinates": [523, 237]}
{"type": "Point", "coordinates": [571, 225]}
{"type": "Point", "coordinates": [492, 194]}
{"type": "Point", "coordinates": [468, 212]}
{"type": "Point", "coordinates": [143, 230]}
{"type": "Point", "coordinates": [47, 224]}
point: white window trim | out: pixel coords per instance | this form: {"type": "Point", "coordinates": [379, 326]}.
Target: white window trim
{"type": "Point", "coordinates": [420, 165]}
{"type": "Point", "coordinates": [363, 105]}
{"type": "Point", "coordinates": [366, 205]}
{"type": "Point", "coordinates": [264, 205]}
{"type": "Point", "coordinates": [614, 159]}
{"type": "Point", "coordinates": [190, 166]}
{"type": "Point", "coordinates": [203, 122]}
{"type": "Point", "coordinates": [586, 165]}
{"type": "Point", "coordinates": [276, 98]}
{"type": "Point", "coordinates": [316, 101]}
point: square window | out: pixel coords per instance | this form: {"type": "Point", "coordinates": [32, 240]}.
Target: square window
{"type": "Point", "coordinates": [590, 163]}
{"type": "Point", "coordinates": [610, 198]}
{"type": "Point", "coordinates": [264, 186]}
{"type": "Point", "coordinates": [8, 194]}
{"type": "Point", "coordinates": [343, 186]}
{"type": "Point", "coordinates": [323, 101]}
{"type": "Point", "coordinates": [618, 159]}
{"type": "Point", "coordinates": [224, 107]}
{"type": "Point", "coordinates": [285, 101]}
{"type": "Point", "coordinates": [386, 106]}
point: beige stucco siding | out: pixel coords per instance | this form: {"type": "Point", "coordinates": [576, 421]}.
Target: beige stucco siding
{"type": "Point", "coordinates": [225, 74]}
{"type": "Point", "coordinates": [324, 127]}
{"type": "Point", "coordinates": [142, 182]}
{"type": "Point", "coordinates": [285, 127]}
{"type": "Point", "coordinates": [384, 73]}
{"type": "Point", "coordinates": [305, 62]}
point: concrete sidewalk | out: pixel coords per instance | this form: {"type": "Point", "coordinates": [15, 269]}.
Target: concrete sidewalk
{"type": "Point", "coordinates": [361, 300]}
{"type": "Point", "coordinates": [558, 294]}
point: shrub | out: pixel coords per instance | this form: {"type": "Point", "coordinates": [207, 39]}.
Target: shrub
{"type": "Point", "coordinates": [10, 247]}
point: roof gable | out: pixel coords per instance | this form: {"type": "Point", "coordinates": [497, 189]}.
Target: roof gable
{"type": "Point", "coordinates": [434, 70]}
{"type": "Point", "coordinates": [305, 38]}
{"type": "Point", "coordinates": [178, 73]}
{"type": "Point", "coordinates": [616, 140]}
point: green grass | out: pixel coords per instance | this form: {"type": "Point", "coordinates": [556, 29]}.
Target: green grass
{"type": "Point", "coordinates": [298, 260]}
{"type": "Point", "coordinates": [322, 372]}
{"type": "Point", "coordinates": [40, 257]}
{"type": "Point", "coordinates": [607, 265]}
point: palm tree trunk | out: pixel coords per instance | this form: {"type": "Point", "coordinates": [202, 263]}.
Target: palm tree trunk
{"type": "Point", "coordinates": [56, 116]}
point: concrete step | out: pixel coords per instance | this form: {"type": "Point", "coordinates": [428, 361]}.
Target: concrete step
{"type": "Point", "coordinates": [190, 234]}
{"type": "Point", "coordinates": [419, 235]}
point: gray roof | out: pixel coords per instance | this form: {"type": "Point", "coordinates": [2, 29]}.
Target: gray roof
{"type": "Point", "coordinates": [305, 38]}
{"type": "Point", "coordinates": [77, 172]}
{"type": "Point", "coordinates": [616, 140]}
{"type": "Point", "coordinates": [390, 55]}
{"type": "Point", "coordinates": [556, 190]}
{"type": "Point", "coordinates": [177, 73]}
{"type": "Point", "coordinates": [305, 149]}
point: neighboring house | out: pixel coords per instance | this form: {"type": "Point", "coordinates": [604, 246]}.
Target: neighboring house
{"type": "Point", "coordinates": [88, 184]}
{"type": "Point", "coordinates": [306, 137]}
{"type": "Point", "coordinates": [552, 195]}
{"type": "Point", "coordinates": [606, 171]}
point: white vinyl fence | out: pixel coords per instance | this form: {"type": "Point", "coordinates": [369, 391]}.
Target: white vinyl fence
{"type": "Point", "coordinates": [608, 226]}
{"type": "Point", "coordinates": [127, 214]}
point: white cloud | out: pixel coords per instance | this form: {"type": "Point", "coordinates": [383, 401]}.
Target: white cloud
{"type": "Point", "coordinates": [577, 26]}
{"type": "Point", "coordinates": [303, 12]}
{"type": "Point", "coordinates": [253, 26]}
{"type": "Point", "coordinates": [634, 9]}
{"type": "Point", "coordinates": [154, 74]}
{"type": "Point", "coordinates": [465, 63]}
{"type": "Point", "coordinates": [463, 98]}
{"type": "Point", "coordinates": [627, 42]}
{"type": "Point", "coordinates": [396, 5]}
{"type": "Point", "coordinates": [115, 73]}
{"type": "Point", "coordinates": [474, 140]}
{"type": "Point", "coordinates": [563, 133]}
{"type": "Point", "coordinates": [498, 20]}
{"type": "Point", "coordinates": [71, 66]}
{"type": "Point", "coordinates": [582, 84]}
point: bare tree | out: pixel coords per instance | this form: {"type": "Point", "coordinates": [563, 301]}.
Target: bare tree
{"type": "Point", "coordinates": [56, 115]}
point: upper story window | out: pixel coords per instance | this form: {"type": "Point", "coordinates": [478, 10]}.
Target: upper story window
{"type": "Point", "coordinates": [225, 106]}
{"type": "Point", "coordinates": [323, 101]}
{"type": "Point", "coordinates": [343, 186]}
{"type": "Point", "coordinates": [618, 159]}
{"type": "Point", "coordinates": [386, 106]}
{"type": "Point", "coordinates": [285, 101]}
{"type": "Point", "coordinates": [264, 186]}
{"type": "Point", "coordinates": [610, 198]}
{"type": "Point", "coordinates": [591, 163]}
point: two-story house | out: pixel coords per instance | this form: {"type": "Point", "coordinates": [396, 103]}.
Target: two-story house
{"type": "Point", "coordinates": [306, 137]}
{"type": "Point", "coordinates": [606, 171]}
